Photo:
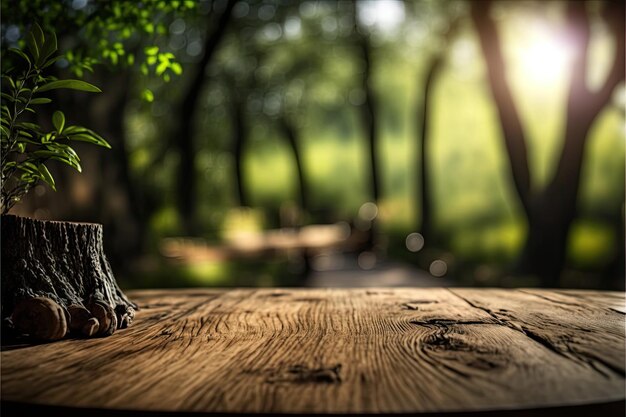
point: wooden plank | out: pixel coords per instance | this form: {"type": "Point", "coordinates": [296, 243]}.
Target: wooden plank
{"type": "Point", "coordinates": [607, 299]}
{"type": "Point", "coordinates": [574, 327]}
{"type": "Point", "coordinates": [321, 351]}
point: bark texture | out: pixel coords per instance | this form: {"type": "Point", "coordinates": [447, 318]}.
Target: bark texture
{"type": "Point", "coordinates": [64, 263]}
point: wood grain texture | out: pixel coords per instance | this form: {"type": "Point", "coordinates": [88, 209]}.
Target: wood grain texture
{"type": "Point", "coordinates": [337, 351]}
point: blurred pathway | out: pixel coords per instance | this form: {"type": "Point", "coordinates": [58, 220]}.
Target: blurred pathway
{"type": "Point", "coordinates": [344, 271]}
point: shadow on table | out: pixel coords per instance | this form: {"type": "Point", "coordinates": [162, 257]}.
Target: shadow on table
{"type": "Point", "coordinates": [609, 409]}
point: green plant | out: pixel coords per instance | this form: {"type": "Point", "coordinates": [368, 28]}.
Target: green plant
{"type": "Point", "coordinates": [26, 147]}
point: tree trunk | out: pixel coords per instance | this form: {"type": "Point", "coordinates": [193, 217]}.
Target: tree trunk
{"type": "Point", "coordinates": [368, 108]}
{"type": "Point", "coordinates": [615, 270]}
{"type": "Point", "coordinates": [186, 169]}
{"type": "Point", "coordinates": [240, 135]}
{"type": "Point", "coordinates": [290, 133]}
{"type": "Point", "coordinates": [368, 117]}
{"type": "Point", "coordinates": [512, 131]}
{"type": "Point", "coordinates": [56, 278]}
{"type": "Point", "coordinates": [424, 196]}
{"type": "Point", "coordinates": [551, 212]}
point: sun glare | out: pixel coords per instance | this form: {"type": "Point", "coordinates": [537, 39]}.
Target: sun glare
{"type": "Point", "coordinates": [386, 15]}
{"type": "Point", "coordinates": [544, 58]}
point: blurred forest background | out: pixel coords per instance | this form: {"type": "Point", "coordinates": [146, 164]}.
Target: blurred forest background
{"type": "Point", "coordinates": [330, 143]}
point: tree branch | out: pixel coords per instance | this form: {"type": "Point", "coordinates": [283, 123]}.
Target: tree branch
{"type": "Point", "coordinates": [614, 15]}
{"type": "Point", "coordinates": [512, 130]}
{"type": "Point", "coordinates": [578, 34]}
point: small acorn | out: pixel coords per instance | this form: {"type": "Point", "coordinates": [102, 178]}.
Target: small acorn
{"type": "Point", "coordinates": [81, 320]}
{"type": "Point", "coordinates": [105, 315]}
{"type": "Point", "coordinates": [40, 318]}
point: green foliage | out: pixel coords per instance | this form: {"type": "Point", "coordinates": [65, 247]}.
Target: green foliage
{"type": "Point", "coordinates": [162, 64]}
{"type": "Point", "coordinates": [112, 33]}
{"type": "Point", "coordinates": [26, 147]}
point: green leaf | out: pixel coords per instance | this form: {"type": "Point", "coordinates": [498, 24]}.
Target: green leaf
{"type": "Point", "coordinates": [86, 66]}
{"type": "Point", "coordinates": [70, 130]}
{"type": "Point", "coordinates": [49, 46]}
{"type": "Point", "coordinates": [47, 138]}
{"type": "Point", "coordinates": [63, 149]}
{"type": "Point", "coordinates": [70, 84]}
{"type": "Point", "coordinates": [147, 95]}
{"type": "Point", "coordinates": [27, 178]}
{"type": "Point", "coordinates": [151, 50]}
{"type": "Point", "coordinates": [176, 68]}
{"type": "Point", "coordinates": [26, 165]}
{"type": "Point", "coordinates": [31, 126]}
{"type": "Point", "coordinates": [9, 80]}
{"type": "Point", "coordinates": [58, 120]}
{"type": "Point", "coordinates": [24, 140]}
{"type": "Point", "coordinates": [90, 137]}
{"type": "Point", "coordinates": [7, 97]}
{"type": "Point", "coordinates": [59, 156]}
{"type": "Point", "coordinates": [40, 100]}
{"type": "Point", "coordinates": [38, 33]}
{"type": "Point", "coordinates": [21, 54]}
{"type": "Point", "coordinates": [46, 154]}
{"type": "Point", "coordinates": [51, 61]}
{"type": "Point", "coordinates": [31, 44]}
{"type": "Point", "coordinates": [47, 177]}
{"type": "Point", "coordinates": [161, 68]}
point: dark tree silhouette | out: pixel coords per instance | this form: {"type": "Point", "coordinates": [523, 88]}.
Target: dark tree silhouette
{"type": "Point", "coordinates": [368, 108]}
{"type": "Point", "coordinates": [424, 106]}
{"type": "Point", "coordinates": [240, 138]}
{"type": "Point", "coordinates": [184, 141]}
{"type": "Point", "coordinates": [291, 134]}
{"type": "Point", "coordinates": [423, 117]}
{"type": "Point", "coordinates": [368, 114]}
{"type": "Point", "coordinates": [551, 211]}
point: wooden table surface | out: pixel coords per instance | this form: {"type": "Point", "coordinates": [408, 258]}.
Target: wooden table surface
{"type": "Point", "coordinates": [391, 350]}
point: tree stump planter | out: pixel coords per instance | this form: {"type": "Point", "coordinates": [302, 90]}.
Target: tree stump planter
{"type": "Point", "coordinates": [56, 279]}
